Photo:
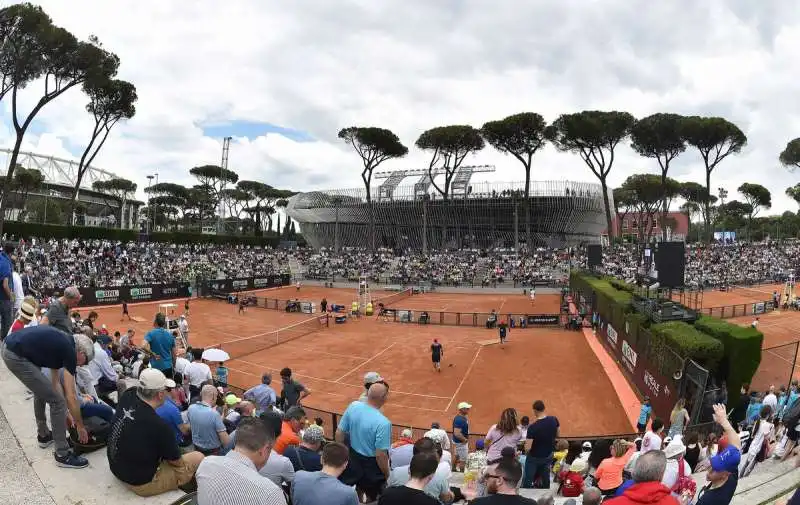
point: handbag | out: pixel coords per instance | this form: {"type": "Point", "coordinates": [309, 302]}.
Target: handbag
{"type": "Point", "coordinates": [685, 483]}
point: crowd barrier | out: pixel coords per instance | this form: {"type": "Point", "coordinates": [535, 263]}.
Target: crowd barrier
{"type": "Point", "coordinates": [536, 283]}
{"type": "Point", "coordinates": [473, 319]}
{"type": "Point", "coordinates": [738, 310]}
{"type": "Point", "coordinates": [114, 295]}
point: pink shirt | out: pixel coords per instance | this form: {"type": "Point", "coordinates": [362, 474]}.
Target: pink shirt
{"type": "Point", "coordinates": [500, 440]}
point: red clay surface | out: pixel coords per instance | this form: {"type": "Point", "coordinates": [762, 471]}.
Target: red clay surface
{"type": "Point", "coordinates": [553, 365]}
{"type": "Point", "coordinates": [779, 350]}
{"type": "Point", "coordinates": [739, 295]}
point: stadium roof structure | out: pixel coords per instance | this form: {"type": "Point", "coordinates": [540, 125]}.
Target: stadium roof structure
{"type": "Point", "coordinates": [58, 170]}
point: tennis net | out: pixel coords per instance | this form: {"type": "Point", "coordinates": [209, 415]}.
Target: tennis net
{"type": "Point", "coordinates": [244, 346]}
{"type": "Point", "coordinates": [389, 300]}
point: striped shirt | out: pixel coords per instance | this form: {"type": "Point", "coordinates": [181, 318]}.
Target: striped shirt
{"type": "Point", "coordinates": [234, 480]}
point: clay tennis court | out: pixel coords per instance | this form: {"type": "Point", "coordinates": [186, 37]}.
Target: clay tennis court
{"type": "Point", "coordinates": [553, 365]}
{"type": "Point", "coordinates": [779, 351]}
{"type": "Point", "coordinates": [737, 296]}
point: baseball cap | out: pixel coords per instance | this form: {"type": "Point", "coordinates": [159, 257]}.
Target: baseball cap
{"type": "Point", "coordinates": [587, 445]}
{"type": "Point", "coordinates": [232, 399]}
{"type": "Point", "coordinates": [152, 379]}
{"type": "Point", "coordinates": [313, 434]}
{"type": "Point", "coordinates": [727, 460]}
{"type": "Point", "coordinates": [372, 377]}
{"type": "Point", "coordinates": [104, 339]}
{"type": "Point", "coordinates": [464, 405]}
{"type": "Point", "coordinates": [170, 384]}
{"type": "Point", "coordinates": [479, 444]}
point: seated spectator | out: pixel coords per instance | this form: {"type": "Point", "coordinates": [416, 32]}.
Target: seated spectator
{"type": "Point", "coordinates": [647, 487]}
{"type": "Point", "coordinates": [323, 487]}
{"type": "Point", "coordinates": [502, 484]}
{"type": "Point", "coordinates": [476, 462]}
{"type": "Point", "coordinates": [592, 496]}
{"type": "Point", "coordinates": [306, 455]}
{"type": "Point", "coordinates": [142, 450]}
{"type": "Point", "coordinates": [438, 487]}
{"type": "Point", "coordinates": [572, 480]}
{"type": "Point", "coordinates": [209, 435]}
{"type": "Point", "coordinates": [233, 479]}
{"type": "Point", "coordinates": [674, 452]}
{"type": "Point", "coordinates": [104, 377]}
{"type": "Point", "coordinates": [293, 421]}
{"type": "Point", "coordinates": [609, 473]}
{"type": "Point", "coordinates": [262, 395]}
{"type": "Point", "coordinates": [401, 452]}
{"type": "Point", "coordinates": [170, 412]}
{"type": "Point", "coordinates": [421, 472]}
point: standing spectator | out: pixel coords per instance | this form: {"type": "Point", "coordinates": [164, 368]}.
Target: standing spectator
{"type": "Point", "coordinates": [197, 373]}
{"type": "Point", "coordinates": [740, 409]}
{"type": "Point", "coordinates": [644, 415]}
{"type": "Point", "coordinates": [370, 378]}
{"type": "Point", "coordinates": [647, 487]}
{"type": "Point", "coordinates": [209, 435]}
{"type": "Point", "coordinates": [724, 473]}
{"type": "Point", "coordinates": [19, 293]}
{"type": "Point", "coordinates": [6, 289]}
{"type": "Point", "coordinates": [421, 471]}
{"type": "Point", "coordinates": [323, 487]}
{"type": "Point", "coordinates": [25, 353]}
{"type": "Point", "coordinates": [293, 421]}
{"type": "Point", "coordinates": [183, 326]}
{"type": "Point", "coordinates": [693, 449]}
{"type": "Point", "coordinates": [461, 436]}
{"type": "Point", "coordinates": [142, 450]}
{"type": "Point", "coordinates": [501, 484]}
{"type": "Point", "coordinates": [370, 435]}
{"type": "Point", "coordinates": [678, 418]}
{"type": "Point", "coordinates": [503, 434]}
{"type": "Point", "coordinates": [771, 400]}
{"type": "Point", "coordinates": [652, 439]}
{"type": "Point", "coordinates": [162, 344]}
{"type": "Point", "coordinates": [539, 444]}
{"type": "Point", "coordinates": [233, 479]}
{"type": "Point", "coordinates": [292, 392]}
{"type": "Point", "coordinates": [262, 395]}
{"type": "Point", "coordinates": [306, 455]}
{"type": "Point", "coordinates": [57, 314]}
{"type": "Point", "coordinates": [759, 443]}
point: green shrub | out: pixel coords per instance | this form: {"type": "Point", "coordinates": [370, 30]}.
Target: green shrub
{"type": "Point", "coordinates": [742, 354]}
{"type": "Point", "coordinates": [688, 342]}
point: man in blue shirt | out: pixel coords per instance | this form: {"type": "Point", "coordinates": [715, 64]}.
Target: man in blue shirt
{"type": "Point", "coordinates": [262, 395]}
{"type": "Point", "coordinates": [169, 412]}
{"type": "Point", "coordinates": [209, 435]}
{"type": "Point", "coordinates": [161, 344]}
{"type": "Point", "coordinates": [310, 488]}
{"type": "Point", "coordinates": [370, 435]}
{"type": "Point", "coordinates": [461, 436]}
{"type": "Point", "coordinates": [6, 290]}
{"type": "Point", "coordinates": [540, 442]}
{"type": "Point", "coordinates": [644, 415]}
{"type": "Point", "coordinates": [25, 352]}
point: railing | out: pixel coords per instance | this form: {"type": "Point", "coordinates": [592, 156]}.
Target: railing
{"type": "Point", "coordinates": [388, 280]}
{"type": "Point", "coordinates": [738, 310]}
{"type": "Point", "coordinates": [474, 319]}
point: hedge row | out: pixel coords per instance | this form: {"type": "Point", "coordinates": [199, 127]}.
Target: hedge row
{"type": "Point", "coordinates": [47, 231]}
{"type": "Point", "coordinates": [729, 351]}
{"type": "Point", "coordinates": [742, 346]}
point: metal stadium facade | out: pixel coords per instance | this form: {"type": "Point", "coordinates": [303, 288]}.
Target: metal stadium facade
{"type": "Point", "coordinates": [479, 215]}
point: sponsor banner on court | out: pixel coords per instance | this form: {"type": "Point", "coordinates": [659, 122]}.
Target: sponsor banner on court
{"type": "Point", "coordinates": [611, 335]}
{"type": "Point", "coordinates": [248, 283]}
{"type": "Point", "coordinates": [544, 320]}
{"type": "Point", "coordinates": [115, 295]}
{"type": "Point", "coordinates": [758, 308]}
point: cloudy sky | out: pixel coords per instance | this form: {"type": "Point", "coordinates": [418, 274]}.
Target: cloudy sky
{"type": "Point", "coordinates": [283, 77]}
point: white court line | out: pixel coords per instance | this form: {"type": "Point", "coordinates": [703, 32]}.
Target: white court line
{"type": "Point", "coordinates": [365, 362]}
{"type": "Point", "coordinates": [779, 356]}
{"type": "Point", "coordinates": [463, 379]}
{"type": "Point", "coordinates": [359, 386]}
{"type": "Point", "coordinates": [317, 351]}
{"type": "Point", "coordinates": [343, 395]}
{"type": "Point", "coordinates": [502, 302]}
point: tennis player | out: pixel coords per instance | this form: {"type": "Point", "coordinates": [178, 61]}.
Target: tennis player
{"type": "Point", "coordinates": [437, 353]}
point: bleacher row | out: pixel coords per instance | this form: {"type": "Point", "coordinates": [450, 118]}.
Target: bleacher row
{"type": "Point", "coordinates": [30, 477]}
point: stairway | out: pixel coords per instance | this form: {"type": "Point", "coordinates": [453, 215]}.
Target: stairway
{"type": "Point", "coordinates": [481, 269]}
{"type": "Point", "coordinates": [295, 268]}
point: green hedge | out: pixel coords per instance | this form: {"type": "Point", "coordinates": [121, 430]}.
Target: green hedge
{"type": "Point", "coordinates": [47, 231]}
{"type": "Point", "coordinates": [742, 346]}
{"type": "Point", "coordinates": [690, 343]}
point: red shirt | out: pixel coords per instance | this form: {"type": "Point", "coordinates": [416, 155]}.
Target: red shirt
{"type": "Point", "coordinates": [571, 484]}
{"type": "Point", "coordinates": [18, 325]}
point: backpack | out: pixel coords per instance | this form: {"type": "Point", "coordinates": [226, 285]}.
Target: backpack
{"type": "Point", "coordinates": [98, 429]}
{"type": "Point", "coordinates": [685, 483]}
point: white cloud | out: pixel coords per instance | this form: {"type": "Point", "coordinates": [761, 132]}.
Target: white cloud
{"type": "Point", "coordinates": [317, 66]}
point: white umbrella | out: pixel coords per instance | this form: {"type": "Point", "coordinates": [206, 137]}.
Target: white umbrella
{"type": "Point", "coordinates": [215, 355]}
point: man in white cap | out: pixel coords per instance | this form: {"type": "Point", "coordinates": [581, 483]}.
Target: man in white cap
{"type": "Point", "coordinates": [142, 450]}
{"type": "Point", "coordinates": [461, 436]}
{"type": "Point", "coordinates": [370, 378]}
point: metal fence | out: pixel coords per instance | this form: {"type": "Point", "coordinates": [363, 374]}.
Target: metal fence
{"type": "Point", "coordinates": [738, 310]}
{"type": "Point", "coordinates": [777, 367]}
{"type": "Point", "coordinates": [474, 319]}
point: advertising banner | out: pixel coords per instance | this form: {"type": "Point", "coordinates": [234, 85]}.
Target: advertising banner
{"type": "Point", "coordinates": [248, 283]}
{"type": "Point", "coordinates": [133, 294]}
{"type": "Point", "coordinates": [544, 320]}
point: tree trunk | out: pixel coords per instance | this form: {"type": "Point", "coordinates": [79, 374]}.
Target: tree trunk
{"type": "Point", "coordinates": [707, 204]}
{"type": "Point", "coordinates": [72, 202]}
{"type": "Point", "coordinates": [664, 209]}
{"type": "Point", "coordinates": [371, 221]}
{"type": "Point", "coordinates": [607, 205]}
{"type": "Point", "coordinates": [527, 209]}
{"type": "Point", "coordinates": [9, 177]}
